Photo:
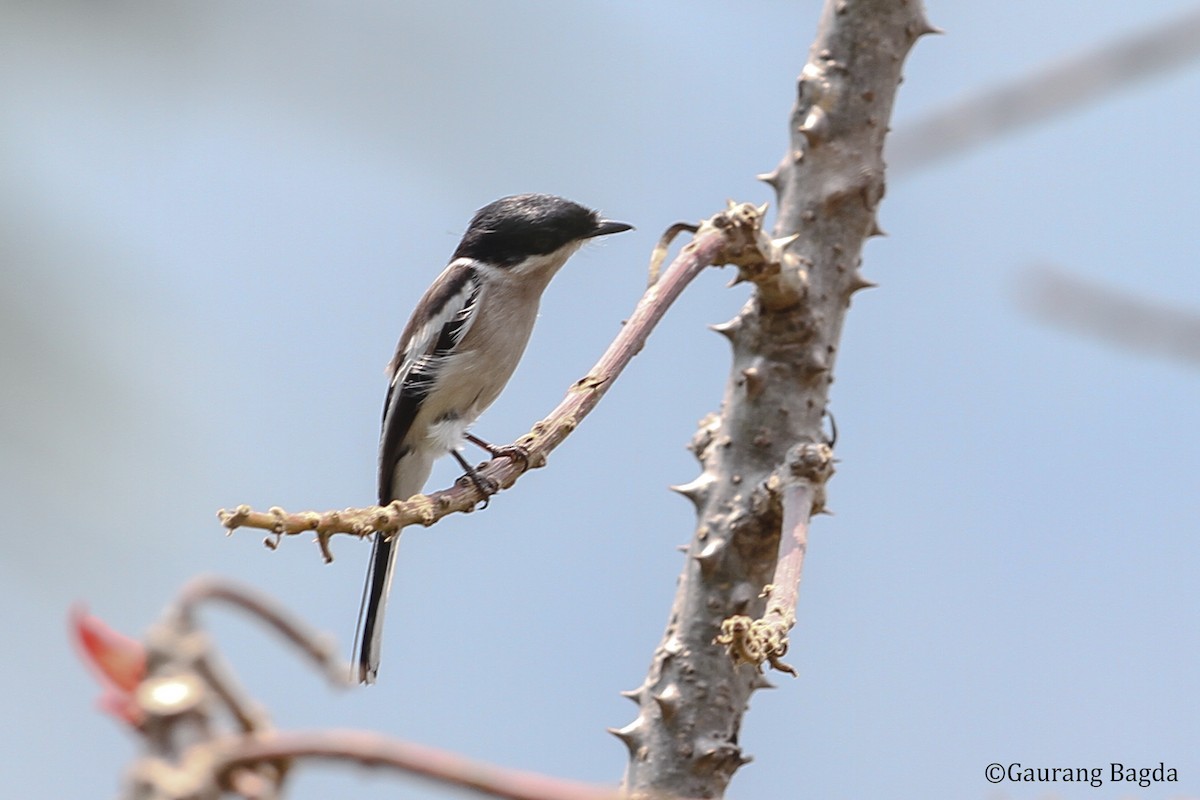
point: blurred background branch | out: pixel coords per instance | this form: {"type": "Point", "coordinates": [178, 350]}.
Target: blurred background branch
{"type": "Point", "coordinates": [1047, 91]}
{"type": "Point", "coordinates": [204, 738]}
{"type": "Point", "coordinates": [1072, 302]}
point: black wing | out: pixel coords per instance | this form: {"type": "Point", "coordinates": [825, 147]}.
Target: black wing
{"type": "Point", "coordinates": [448, 309]}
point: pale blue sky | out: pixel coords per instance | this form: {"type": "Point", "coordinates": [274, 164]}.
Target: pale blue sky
{"type": "Point", "coordinates": [214, 221]}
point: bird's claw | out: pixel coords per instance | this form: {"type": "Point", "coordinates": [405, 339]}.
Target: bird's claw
{"type": "Point", "coordinates": [513, 452]}
{"type": "Point", "coordinates": [488, 486]}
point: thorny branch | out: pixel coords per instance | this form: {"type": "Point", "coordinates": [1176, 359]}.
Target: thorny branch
{"type": "Point", "coordinates": [764, 457]}
{"type": "Point", "coordinates": [733, 236]}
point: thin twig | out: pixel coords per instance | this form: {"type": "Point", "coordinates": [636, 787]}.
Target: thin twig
{"type": "Point", "coordinates": [659, 254]}
{"type": "Point", "coordinates": [373, 750]}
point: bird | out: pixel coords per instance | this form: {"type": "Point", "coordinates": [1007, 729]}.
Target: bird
{"type": "Point", "coordinates": [457, 353]}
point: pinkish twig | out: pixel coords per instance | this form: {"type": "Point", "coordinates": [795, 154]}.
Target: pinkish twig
{"type": "Point", "coordinates": [373, 750]}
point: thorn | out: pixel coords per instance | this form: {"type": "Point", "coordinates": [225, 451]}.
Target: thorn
{"type": "Point", "coordinates": [755, 382]}
{"type": "Point", "coordinates": [668, 702]}
{"type": "Point", "coordinates": [816, 364]}
{"type": "Point", "coordinates": [928, 29]}
{"type": "Point", "coordinates": [710, 556]}
{"type": "Point", "coordinates": [815, 126]}
{"type": "Point", "coordinates": [784, 241]}
{"type": "Point", "coordinates": [761, 210]}
{"type": "Point", "coordinates": [876, 230]}
{"type": "Point", "coordinates": [720, 753]}
{"type": "Point", "coordinates": [727, 329]}
{"type": "Point", "coordinates": [634, 694]}
{"type": "Point", "coordinates": [858, 283]}
{"type": "Point", "coordinates": [761, 682]}
{"type": "Point", "coordinates": [631, 735]}
{"type": "Point", "coordinates": [770, 178]}
{"type": "Point", "coordinates": [696, 490]}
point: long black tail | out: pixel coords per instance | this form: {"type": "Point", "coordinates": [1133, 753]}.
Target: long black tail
{"type": "Point", "coordinates": [374, 601]}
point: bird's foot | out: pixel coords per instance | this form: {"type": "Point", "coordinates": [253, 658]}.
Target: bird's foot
{"type": "Point", "coordinates": [514, 452]}
{"type": "Point", "coordinates": [486, 486]}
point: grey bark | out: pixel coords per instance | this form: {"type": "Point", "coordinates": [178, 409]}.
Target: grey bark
{"type": "Point", "coordinates": [684, 740]}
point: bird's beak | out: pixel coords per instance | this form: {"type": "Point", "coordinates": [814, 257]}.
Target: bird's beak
{"type": "Point", "coordinates": [607, 226]}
